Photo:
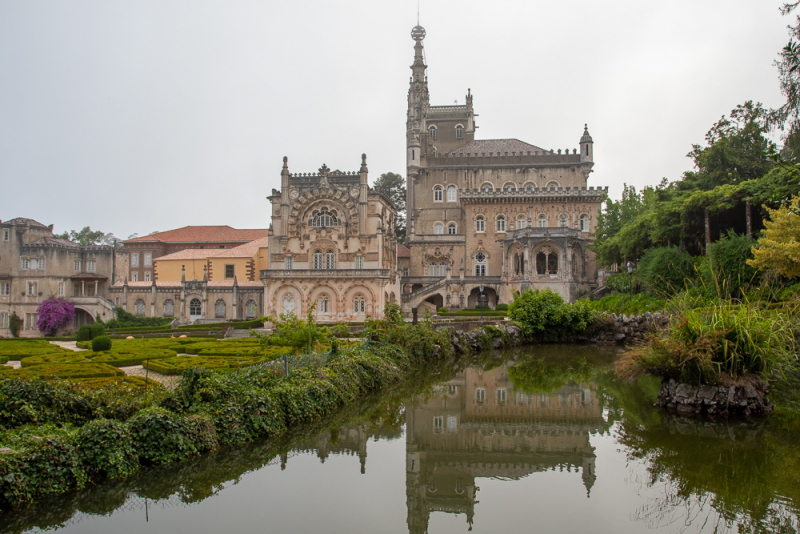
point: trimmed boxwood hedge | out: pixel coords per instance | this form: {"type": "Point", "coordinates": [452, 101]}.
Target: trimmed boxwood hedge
{"type": "Point", "coordinates": [116, 382]}
{"type": "Point", "coordinates": [178, 364]}
{"type": "Point", "coordinates": [475, 313]}
{"type": "Point", "coordinates": [121, 358]}
{"type": "Point", "coordinates": [18, 351]}
{"type": "Point", "coordinates": [54, 371]}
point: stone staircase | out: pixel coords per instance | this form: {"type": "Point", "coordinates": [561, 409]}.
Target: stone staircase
{"type": "Point", "coordinates": [408, 297]}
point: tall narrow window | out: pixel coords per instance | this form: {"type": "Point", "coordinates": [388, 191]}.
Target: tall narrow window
{"type": "Point", "coordinates": [323, 304]}
{"type": "Point", "coordinates": [169, 308]}
{"type": "Point", "coordinates": [522, 222]}
{"type": "Point", "coordinates": [432, 131]}
{"type": "Point", "coordinates": [317, 259]}
{"type": "Point", "coordinates": [437, 193]}
{"type": "Point", "coordinates": [584, 223]}
{"type": "Point", "coordinates": [432, 269]}
{"type": "Point", "coordinates": [219, 309]}
{"type": "Point", "coordinates": [3, 319]}
{"type": "Point", "coordinates": [451, 193]}
{"type": "Point", "coordinates": [289, 263]}
{"type": "Point", "coordinates": [459, 132]}
{"type": "Point", "coordinates": [480, 264]}
{"type": "Point", "coordinates": [77, 266]}
{"type": "Point", "coordinates": [501, 223]}
{"type": "Point", "coordinates": [24, 264]}
{"type": "Point", "coordinates": [139, 307]}
{"type": "Point", "coordinates": [442, 269]}
{"type": "Point", "coordinates": [501, 396]}
{"type": "Point", "coordinates": [480, 224]}
{"type": "Point", "coordinates": [31, 289]}
{"type": "Point", "coordinates": [34, 265]}
{"type": "Point", "coordinates": [229, 272]}
{"type": "Point", "coordinates": [90, 266]}
{"type": "Point", "coordinates": [148, 259]}
{"type": "Point", "coordinates": [195, 307]}
{"type": "Point", "coordinates": [6, 234]}
{"type": "Point", "coordinates": [542, 221]}
{"type": "Point", "coordinates": [134, 277]}
{"type": "Point", "coordinates": [451, 228]}
{"type": "Point", "coordinates": [135, 259]}
{"type": "Point", "coordinates": [147, 276]}
{"type": "Point", "coordinates": [438, 229]}
{"type": "Point", "coordinates": [329, 260]}
{"type": "Point", "coordinates": [41, 264]}
{"type": "Point", "coordinates": [359, 304]}
{"type": "Point", "coordinates": [4, 288]}
{"type": "Point", "coordinates": [359, 262]}
{"type": "Point", "coordinates": [250, 309]}
{"type": "Point", "coordinates": [480, 395]}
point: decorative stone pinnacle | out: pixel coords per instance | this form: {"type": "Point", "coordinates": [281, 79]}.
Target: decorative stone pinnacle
{"type": "Point", "coordinates": [324, 170]}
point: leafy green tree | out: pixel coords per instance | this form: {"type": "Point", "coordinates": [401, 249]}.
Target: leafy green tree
{"type": "Point", "coordinates": [779, 248]}
{"type": "Point", "coordinates": [543, 315]}
{"type": "Point", "coordinates": [665, 269]}
{"type": "Point", "coordinates": [394, 187]}
{"type": "Point", "coordinates": [87, 236]}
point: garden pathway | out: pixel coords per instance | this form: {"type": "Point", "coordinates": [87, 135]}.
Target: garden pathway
{"type": "Point", "coordinates": [71, 345]}
{"type": "Point", "coordinates": [169, 382]}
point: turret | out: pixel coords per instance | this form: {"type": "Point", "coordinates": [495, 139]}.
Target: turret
{"type": "Point", "coordinates": [587, 150]}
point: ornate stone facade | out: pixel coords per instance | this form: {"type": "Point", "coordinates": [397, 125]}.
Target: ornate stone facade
{"type": "Point", "coordinates": [500, 213]}
{"type": "Point", "coordinates": [332, 245]}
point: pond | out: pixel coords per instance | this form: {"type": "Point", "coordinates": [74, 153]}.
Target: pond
{"type": "Point", "coordinates": [540, 439]}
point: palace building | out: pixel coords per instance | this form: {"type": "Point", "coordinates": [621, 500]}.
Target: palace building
{"type": "Point", "coordinates": [331, 244]}
{"type": "Point", "coordinates": [498, 213]}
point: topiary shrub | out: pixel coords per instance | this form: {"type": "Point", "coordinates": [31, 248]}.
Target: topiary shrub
{"type": "Point", "coordinates": [106, 449]}
{"type": "Point", "coordinates": [14, 324]}
{"type": "Point", "coordinates": [84, 333]}
{"type": "Point", "coordinates": [442, 310]}
{"type": "Point", "coordinates": [97, 329]}
{"type": "Point", "coordinates": [101, 343]}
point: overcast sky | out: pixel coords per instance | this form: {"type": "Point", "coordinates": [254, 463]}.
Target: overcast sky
{"type": "Point", "coordinates": [137, 116]}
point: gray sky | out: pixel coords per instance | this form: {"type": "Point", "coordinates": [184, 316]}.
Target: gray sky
{"type": "Point", "coordinates": [151, 115]}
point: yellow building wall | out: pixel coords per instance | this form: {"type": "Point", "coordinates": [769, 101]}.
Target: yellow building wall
{"type": "Point", "coordinates": [217, 268]}
{"type": "Point", "coordinates": [170, 270]}
{"type": "Point", "coordinates": [262, 260]}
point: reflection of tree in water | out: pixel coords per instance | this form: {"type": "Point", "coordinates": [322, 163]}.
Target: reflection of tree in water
{"type": "Point", "coordinates": [724, 476]}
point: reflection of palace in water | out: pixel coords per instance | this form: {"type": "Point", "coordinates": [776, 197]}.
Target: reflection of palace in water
{"type": "Point", "coordinates": [477, 425]}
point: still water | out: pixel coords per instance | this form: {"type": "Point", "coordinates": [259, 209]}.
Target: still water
{"type": "Point", "coordinates": [538, 440]}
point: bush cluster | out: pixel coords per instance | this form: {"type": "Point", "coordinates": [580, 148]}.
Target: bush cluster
{"type": "Point", "coordinates": [543, 315]}
{"type": "Point", "coordinates": [90, 331]}
{"type": "Point", "coordinates": [101, 343]}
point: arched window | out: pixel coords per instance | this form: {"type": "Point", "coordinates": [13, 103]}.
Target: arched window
{"type": "Point", "coordinates": [584, 223]}
{"type": "Point", "coordinates": [480, 224]}
{"type": "Point", "coordinates": [487, 188]}
{"type": "Point", "coordinates": [169, 308]}
{"type": "Point", "coordinates": [451, 228]}
{"type": "Point", "coordinates": [451, 193]}
{"type": "Point", "coordinates": [541, 263]}
{"type": "Point", "coordinates": [195, 307]}
{"type": "Point", "coordinates": [438, 228]}
{"type": "Point", "coordinates": [442, 269]}
{"type": "Point", "coordinates": [219, 309]}
{"type": "Point", "coordinates": [437, 193]}
{"type": "Point", "coordinates": [359, 304]}
{"type": "Point", "coordinates": [552, 186]}
{"type": "Point", "coordinates": [318, 259]}
{"type": "Point", "coordinates": [501, 223]}
{"type": "Point", "coordinates": [509, 188]}
{"type": "Point", "coordinates": [250, 309]}
{"type": "Point", "coordinates": [432, 131]}
{"type": "Point", "coordinates": [139, 307]}
{"type": "Point", "coordinates": [432, 269]}
{"type": "Point", "coordinates": [563, 220]}
{"type": "Point", "coordinates": [522, 222]}
{"type": "Point", "coordinates": [480, 264]}
{"type": "Point", "coordinates": [459, 131]}
{"type": "Point", "coordinates": [324, 217]}
{"type": "Point", "coordinates": [323, 304]}
{"type": "Point", "coordinates": [330, 261]}
{"type": "Point", "coordinates": [542, 221]}
{"type": "Point", "coordinates": [552, 263]}
{"type": "Point", "coordinates": [529, 188]}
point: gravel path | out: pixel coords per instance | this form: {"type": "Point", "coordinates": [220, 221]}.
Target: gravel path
{"type": "Point", "coordinates": [71, 345]}
{"type": "Point", "coordinates": [170, 382]}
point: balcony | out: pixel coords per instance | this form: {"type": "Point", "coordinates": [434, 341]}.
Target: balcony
{"type": "Point", "coordinates": [282, 274]}
{"type": "Point", "coordinates": [437, 238]}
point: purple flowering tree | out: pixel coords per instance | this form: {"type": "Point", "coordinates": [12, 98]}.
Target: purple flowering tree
{"type": "Point", "coordinates": [53, 314]}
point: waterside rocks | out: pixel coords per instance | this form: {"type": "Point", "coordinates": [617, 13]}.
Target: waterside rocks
{"type": "Point", "coordinates": [613, 328]}
{"type": "Point", "coordinates": [745, 398]}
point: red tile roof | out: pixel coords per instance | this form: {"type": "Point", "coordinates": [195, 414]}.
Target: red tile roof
{"type": "Point", "coordinates": [495, 146]}
{"type": "Point", "coordinates": [403, 251]}
{"type": "Point", "coordinates": [203, 234]}
{"type": "Point", "coordinates": [248, 250]}
{"type": "Point", "coordinates": [189, 254]}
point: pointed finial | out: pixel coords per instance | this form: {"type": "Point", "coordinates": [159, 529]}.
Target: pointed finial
{"type": "Point", "coordinates": [285, 163]}
{"type": "Point", "coordinates": [363, 163]}
{"type": "Point", "coordinates": [235, 283]}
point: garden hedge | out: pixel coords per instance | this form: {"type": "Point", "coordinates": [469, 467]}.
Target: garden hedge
{"type": "Point", "coordinates": [54, 371]}
{"type": "Point", "coordinates": [122, 358]}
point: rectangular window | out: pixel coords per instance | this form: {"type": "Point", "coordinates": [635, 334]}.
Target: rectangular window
{"type": "Point", "coordinates": [442, 269]}
{"type": "Point", "coordinates": [25, 264]}
{"type": "Point", "coordinates": [359, 262]}
{"type": "Point", "coordinates": [134, 277]}
{"type": "Point", "coordinates": [148, 259]}
{"type": "Point", "coordinates": [116, 301]}
{"type": "Point", "coordinates": [90, 266]}
{"type": "Point", "coordinates": [289, 263]}
{"type": "Point", "coordinates": [5, 288]}
{"type": "Point", "coordinates": [61, 289]}
{"type": "Point", "coordinates": [135, 259]}
{"type": "Point", "coordinates": [6, 234]}
{"type": "Point", "coordinates": [33, 264]}
{"type": "Point", "coordinates": [77, 266]}
{"type": "Point", "coordinates": [432, 269]}
{"type": "Point", "coordinates": [405, 271]}
{"type": "Point", "coordinates": [30, 321]}
{"type": "Point", "coordinates": [41, 264]}
{"type": "Point", "coordinates": [3, 320]}
{"type": "Point", "coordinates": [76, 290]}
{"type": "Point", "coordinates": [31, 289]}
{"type": "Point", "coordinates": [229, 271]}
{"type": "Point", "coordinates": [147, 276]}
{"type": "Point", "coordinates": [437, 423]}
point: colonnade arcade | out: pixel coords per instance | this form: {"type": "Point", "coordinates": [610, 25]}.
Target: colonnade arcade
{"type": "Point", "coordinates": [531, 258]}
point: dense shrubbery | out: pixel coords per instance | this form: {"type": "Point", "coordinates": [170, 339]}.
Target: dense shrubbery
{"type": "Point", "coordinates": [624, 283]}
{"type": "Point", "coordinates": [123, 319]}
{"type": "Point", "coordinates": [90, 331]}
{"type": "Point", "coordinates": [101, 343]}
{"type": "Point", "coordinates": [54, 314]}
{"type": "Point", "coordinates": [664, 270]}
{"type": "Point", "coordinates": [637, 305]}
{"type": "Point", "coordinates": [544, 316]}
{"type": "Point", "coordinates": [65, 371]}
{"type": "Point", "coordinates": [117, 358]}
